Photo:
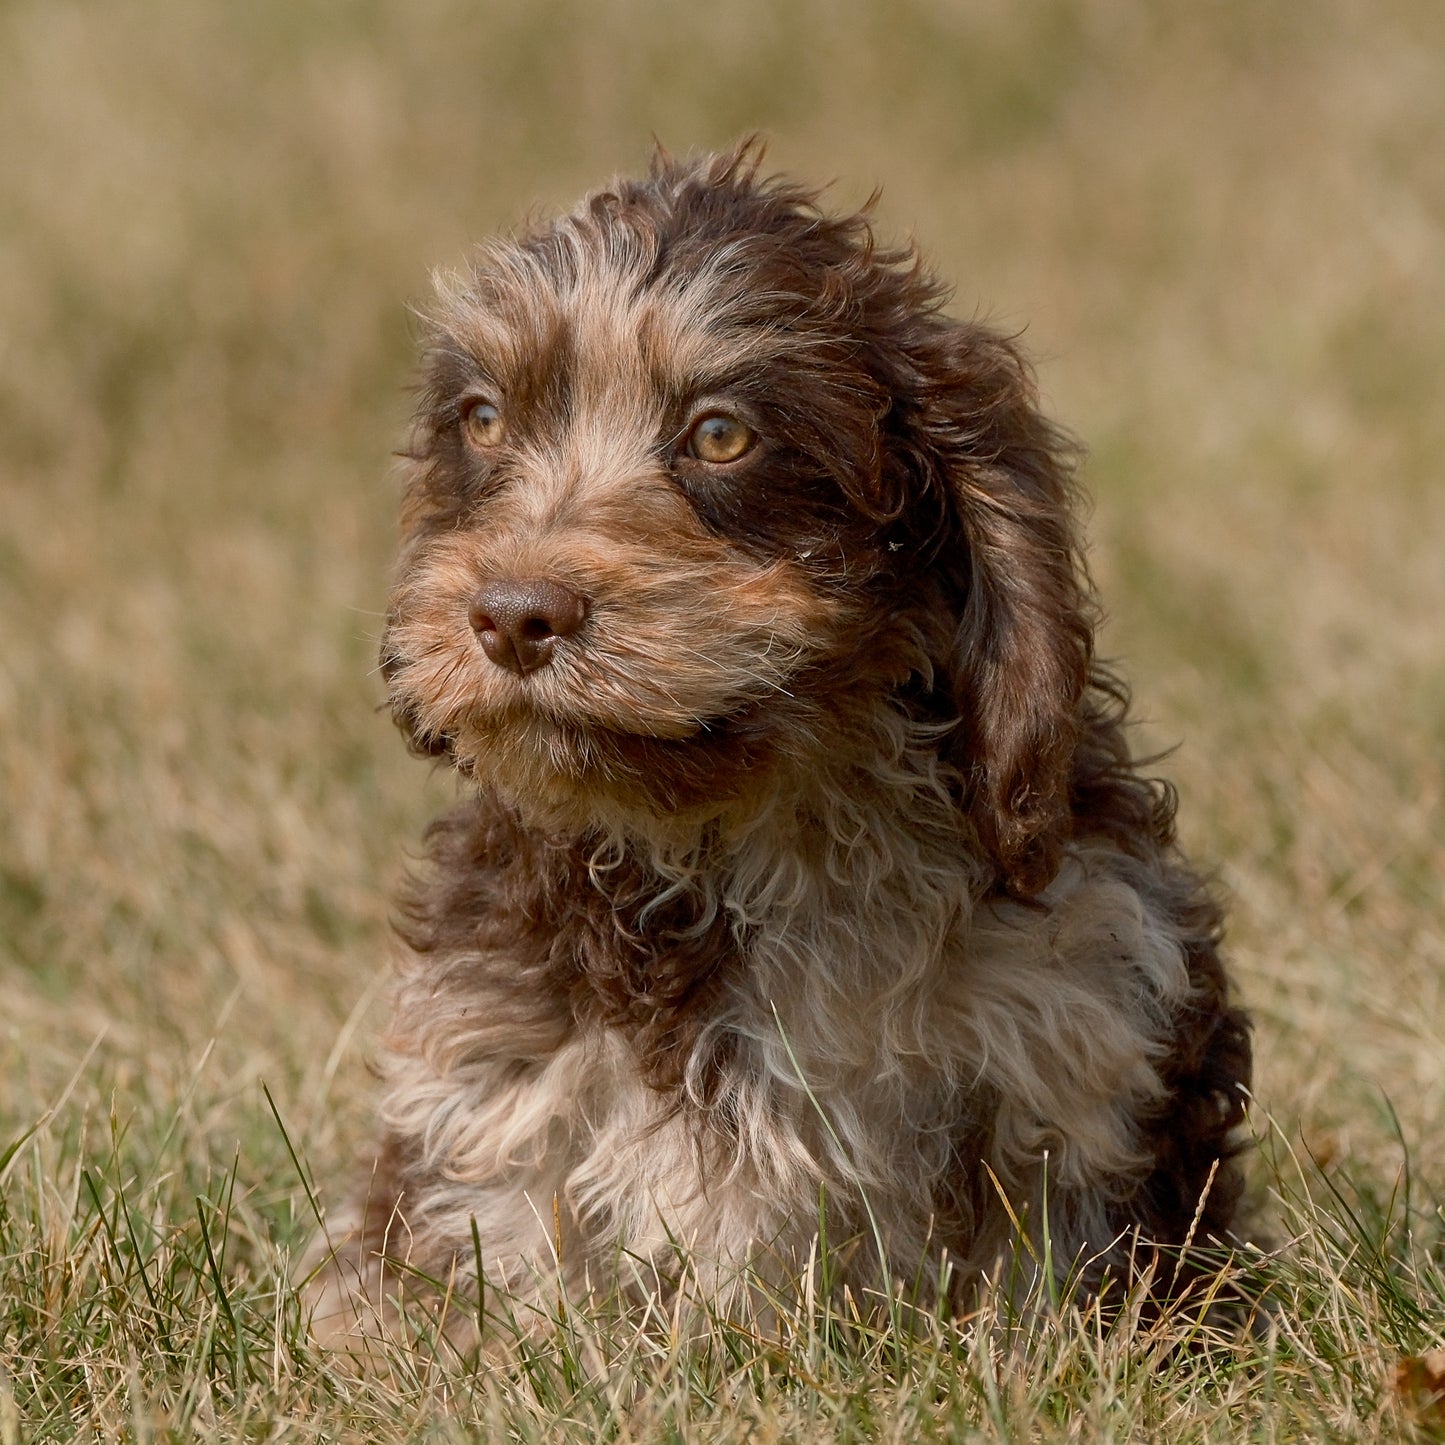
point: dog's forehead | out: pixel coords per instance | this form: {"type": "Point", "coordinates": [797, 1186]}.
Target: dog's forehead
{"type": "Point", "coordinates": [613, 312]}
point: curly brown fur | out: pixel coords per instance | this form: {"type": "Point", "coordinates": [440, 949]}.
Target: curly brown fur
{"type": "Point", "coordinates": [805, 849]}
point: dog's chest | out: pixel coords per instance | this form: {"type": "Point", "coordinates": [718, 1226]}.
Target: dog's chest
{"type": "Point", "coordinates": [819, 1014]}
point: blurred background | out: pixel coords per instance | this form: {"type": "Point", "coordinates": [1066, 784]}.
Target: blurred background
{"type": "Point", "coordinates": [1220, 228]}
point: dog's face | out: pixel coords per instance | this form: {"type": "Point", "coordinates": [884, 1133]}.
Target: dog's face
{"type": "Point", "coordinates": [699, 475]}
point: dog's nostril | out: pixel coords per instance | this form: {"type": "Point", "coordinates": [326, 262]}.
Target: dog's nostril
{"type": "Point", "coordinates": [518, 620]}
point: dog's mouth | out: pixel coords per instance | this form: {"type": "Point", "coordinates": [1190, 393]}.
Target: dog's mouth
{"type": "Point", "coordinates": [595, 683]}
{"type": "Point", "coordinates": [593, 692]}
{"type": "Point", "coordinates": [584, 715]}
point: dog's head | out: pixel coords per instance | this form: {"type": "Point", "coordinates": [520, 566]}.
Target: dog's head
{"type": "Point", "coordinates": [701, 476]}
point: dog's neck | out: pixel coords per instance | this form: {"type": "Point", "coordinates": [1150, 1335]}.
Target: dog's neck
{"type": "Point", "coordinates": [851, 815]}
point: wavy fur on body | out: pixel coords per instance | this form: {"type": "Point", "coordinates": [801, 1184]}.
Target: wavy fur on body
{"type": "Point", "coordinates": [814, 858]}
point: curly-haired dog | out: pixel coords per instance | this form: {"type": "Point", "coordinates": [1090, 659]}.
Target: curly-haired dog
{"type": "Point", "coordinates": [805, 854]}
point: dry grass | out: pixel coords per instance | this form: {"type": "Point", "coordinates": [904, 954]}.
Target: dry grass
{"type": "Point", "coordinates": [1224, 226]}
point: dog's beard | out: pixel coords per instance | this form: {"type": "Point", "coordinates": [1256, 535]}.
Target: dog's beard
{"type": "Point", "coordinates": [580, 773]}
{"type": "Point", "coordinates": [600, 727]}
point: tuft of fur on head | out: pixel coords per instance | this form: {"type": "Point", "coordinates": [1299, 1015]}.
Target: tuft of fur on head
{"type": "Point", "coordinates": [814, 770]}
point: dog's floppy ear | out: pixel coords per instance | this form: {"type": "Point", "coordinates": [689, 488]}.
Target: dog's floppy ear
{"type": "Point", "coordinates": [1022, 631]}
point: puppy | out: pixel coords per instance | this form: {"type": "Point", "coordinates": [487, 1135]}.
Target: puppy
{"type": "Point", "coordinates": [803, 855]}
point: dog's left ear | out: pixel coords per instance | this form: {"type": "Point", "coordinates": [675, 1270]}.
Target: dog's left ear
{"type": "Point", "coordinates": [1022, 631]}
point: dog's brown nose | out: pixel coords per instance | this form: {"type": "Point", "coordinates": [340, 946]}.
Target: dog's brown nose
{"type": "Point", "coordinates": [519, 619]}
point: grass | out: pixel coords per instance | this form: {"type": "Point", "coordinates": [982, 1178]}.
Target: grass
{"type": "Point", "coordinates": [1224, 228]}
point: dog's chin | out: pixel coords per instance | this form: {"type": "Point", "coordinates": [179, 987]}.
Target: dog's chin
{"type": "Point", "coordinates": [577, 771]}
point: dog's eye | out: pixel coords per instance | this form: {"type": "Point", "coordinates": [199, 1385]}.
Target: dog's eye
{"type": "Point", "coordinates": [482, 423]}
{"type": "Point", "coordinates": [718, 437]}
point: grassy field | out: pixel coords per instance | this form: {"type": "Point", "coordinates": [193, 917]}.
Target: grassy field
{"type": "Point", "coordinates": [1223, 226]}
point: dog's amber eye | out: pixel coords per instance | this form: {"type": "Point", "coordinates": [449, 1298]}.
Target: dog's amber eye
{"type": "Point", "coordinates": [718, 437]}
{"type": "Point", "coordinates": [482, 423]}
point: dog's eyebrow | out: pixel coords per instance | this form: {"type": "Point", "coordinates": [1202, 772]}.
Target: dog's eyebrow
{"type": "Point", "coordinates": [522, 371]}
{"type": "Point", "coordinates": [455, 364]}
